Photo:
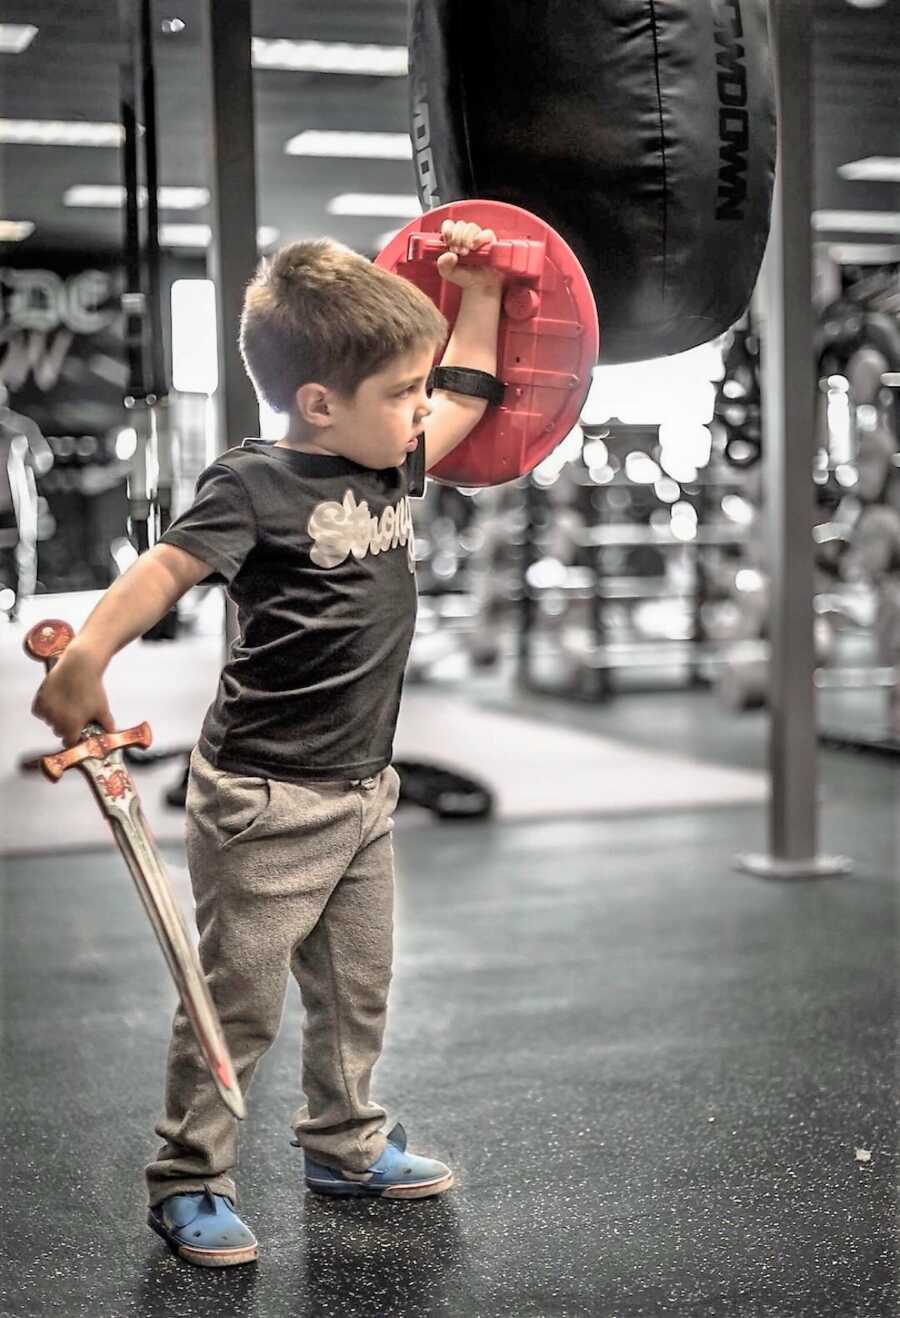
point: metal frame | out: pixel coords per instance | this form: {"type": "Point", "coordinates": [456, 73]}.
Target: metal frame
{"type": "Point", "coordinates": [232, 254]}
{"type": "Point", "coordinates": [789, 401]}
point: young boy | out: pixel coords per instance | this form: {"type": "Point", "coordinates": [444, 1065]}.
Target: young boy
{"type": "Point", "coordinates": [291, 793]}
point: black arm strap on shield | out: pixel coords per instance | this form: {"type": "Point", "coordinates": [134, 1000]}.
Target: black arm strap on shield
{"type": "Point", "coordinates": [466, 380]}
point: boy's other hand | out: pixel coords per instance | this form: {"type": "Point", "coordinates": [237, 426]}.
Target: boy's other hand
{"type": "Point", "coordinates": [462, 236]}
{"type": "Point", "coordinates": [72, 695]}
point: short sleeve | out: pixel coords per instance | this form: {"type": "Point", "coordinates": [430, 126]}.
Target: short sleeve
{"type": "Point", "coordinates": [219, 527]}
{"type": "Point", "coordinates": [415, 471]}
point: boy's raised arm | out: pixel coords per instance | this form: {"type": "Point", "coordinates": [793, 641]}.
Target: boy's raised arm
{"type": "Point", "coordinates": [72, 694]}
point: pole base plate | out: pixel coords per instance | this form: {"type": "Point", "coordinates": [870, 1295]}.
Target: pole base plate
{"type": "Point", "coordinates": [771, 867]}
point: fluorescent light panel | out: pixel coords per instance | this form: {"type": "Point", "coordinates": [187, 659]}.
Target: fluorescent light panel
{"type": "Point", "coordinates": [16, 37]}
{"type": "Point", "coordinates": [60, 132]}
{"type": "Point", "coordinates": [857, 221]}
{"type": "Point", "coordinates": [864, 253]}
{"type": "Point", "coordinates": [363, 146]}
{"type": "Point", "coordinates": [199, 235]}
{"type": "Point", "coordinates": [374, 203]}
{"type": "Point", "coordinates": [873, 169]}
{"type": "Point", "coordinates": [97, 194]}
{"type": "Point", "coordinates": [13, 231]}
{"type": "Point", "coordinates": [330, 57]}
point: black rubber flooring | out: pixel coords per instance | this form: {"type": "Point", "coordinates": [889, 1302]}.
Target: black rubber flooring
{"type": "Point", "coordinates": [666, 1088]}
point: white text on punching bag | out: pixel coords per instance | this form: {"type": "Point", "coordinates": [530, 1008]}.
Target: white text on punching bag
{"type": "Point", "coordinates": [734, 125]}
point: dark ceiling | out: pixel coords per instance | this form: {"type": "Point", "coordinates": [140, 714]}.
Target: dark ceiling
{"type": "Point", "coordinates": [71, 71]}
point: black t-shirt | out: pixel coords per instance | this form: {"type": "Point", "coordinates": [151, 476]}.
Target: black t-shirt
{"type": "Point", "coordinates": [317, 553]}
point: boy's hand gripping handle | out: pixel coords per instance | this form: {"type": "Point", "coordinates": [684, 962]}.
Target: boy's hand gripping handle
{"type": "Point", "coordinates": [520, 258]}
{"type": "Point", "coordinates": [46, 642]}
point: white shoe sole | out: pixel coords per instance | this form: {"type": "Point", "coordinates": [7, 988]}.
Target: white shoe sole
{"type": "Point", "coordinates": [204, 1258]}
{"type": "Point", "coordinates": [359, 1190]}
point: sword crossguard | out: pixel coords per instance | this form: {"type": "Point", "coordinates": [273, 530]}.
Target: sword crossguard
{"type": "Point", "coordinates": [94, 746]}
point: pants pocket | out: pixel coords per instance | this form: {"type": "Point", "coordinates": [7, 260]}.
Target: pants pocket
{"type": "Point", "coordinates": [242, 806]}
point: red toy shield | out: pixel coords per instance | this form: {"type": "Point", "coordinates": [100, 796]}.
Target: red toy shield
{"type": "Point", "coordinates": [547, 343]}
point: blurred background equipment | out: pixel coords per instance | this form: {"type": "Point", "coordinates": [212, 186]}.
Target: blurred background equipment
{"type": "Point", "coordinates": [24, 516]}
{"type": "Point", "coordinates": [857, 536]}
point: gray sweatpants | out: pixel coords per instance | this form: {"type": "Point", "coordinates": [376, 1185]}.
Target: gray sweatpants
{"type": "Point", "coordinates": [287, 878]}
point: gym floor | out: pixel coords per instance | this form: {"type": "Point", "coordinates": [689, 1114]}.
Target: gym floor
{"type": "Point", "coordinates": [666, 1088]}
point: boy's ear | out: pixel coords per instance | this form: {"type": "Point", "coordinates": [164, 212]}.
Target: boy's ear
{"type": "Point", "coordinates": [313, 404]}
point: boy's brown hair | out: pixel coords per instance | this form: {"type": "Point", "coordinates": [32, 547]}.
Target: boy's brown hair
{"type": "Point", "coordinates": [317, 311]}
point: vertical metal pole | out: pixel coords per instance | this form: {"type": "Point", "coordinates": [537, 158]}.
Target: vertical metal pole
{"type": "Point", "coordinates": [527, 612]}
{"type": "Point", "coordinates": [789, 402]}
{"type": "Point", "coordinates": [232, 254]}
{"type": "Point", "coordinates": [134, 301]}
{"type": "Point", "coordinates": [158, 383]}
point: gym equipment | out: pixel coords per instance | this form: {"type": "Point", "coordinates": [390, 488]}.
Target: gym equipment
{"type": "Point", "coordinates": [738, 404]}
{"type": "Point", "coordinates": [547, 343]}
{"type": "Point", "coordinates": [24, 456]}
{"type": "Point", "coordinates": [845, 327]}
{"type": "Point", "coordinates": [151, 477]}
{"type": "Point", "coordinates": [448, 793]}
{"type": "Point", "coordinates": [98, 755]}
{"type": "Point", "coordinates": [643, 134]}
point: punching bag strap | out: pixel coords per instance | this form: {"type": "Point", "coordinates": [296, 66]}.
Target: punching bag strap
{"type": "Point", "coordinates": [466, 380]}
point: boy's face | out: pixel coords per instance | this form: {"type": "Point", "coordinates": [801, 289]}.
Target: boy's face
{"type": "Point", "coordinates": [380, 425]}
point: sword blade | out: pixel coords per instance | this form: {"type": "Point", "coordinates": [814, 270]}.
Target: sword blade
{"type": "Point", "coordinates": [115, 792]}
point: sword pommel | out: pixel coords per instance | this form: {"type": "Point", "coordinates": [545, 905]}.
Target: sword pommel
{"type": "Point", "coordinates": [47, 640]}
{"type": "Point", "coordinates": [94, 746]}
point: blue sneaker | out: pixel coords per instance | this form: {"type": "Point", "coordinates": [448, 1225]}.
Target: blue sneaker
{"type": "Point", "coordinates": [203, 1228]}
{"type": "Point", "coordinates": [396, 1174]}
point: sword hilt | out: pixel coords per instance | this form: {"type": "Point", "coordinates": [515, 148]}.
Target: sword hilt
{"type": "Point", "coordinates": [46, 642]}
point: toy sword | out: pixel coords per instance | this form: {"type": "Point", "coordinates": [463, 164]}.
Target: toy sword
{"type": "Point", "coordinates": [98, 754]}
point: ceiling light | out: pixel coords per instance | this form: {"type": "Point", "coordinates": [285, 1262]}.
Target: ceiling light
{"type": "Point", "coordinates": [857, 221]}
{"type": "Point", "coordinates": [330, 57]}
{"type": "Point", "coordinates": [199, 235]}
{"type": "Point", "coordinates": [182, 199]}
{"type": "Point", "coordinates": [16, 37]}
{"type": "Point", "coordinates": [101, 194]}
{"type": "Point", "coordinates": [374, 203]}
{"type": "Point", "coordinates": [873, 169]}
{"type": "Point", "coordinates": [866, 4]}
{"type": "Point", "coordinates": [864, 253]}
{"type": "Point", "coordinates": [184, 235]}
{"type": "Point", "coordinates": [13, 231]}
{"type": "Point", "coordinates": [89, 194]}
{"type": "Point", "coordinates": [58, 132]}
{"type": "Point", "coordinates": [365, 146]}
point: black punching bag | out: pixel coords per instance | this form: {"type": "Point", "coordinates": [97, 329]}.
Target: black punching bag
{"type": "Point", "coordinates": [642, 130]}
